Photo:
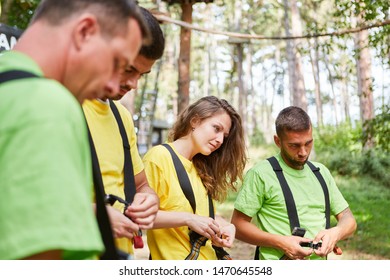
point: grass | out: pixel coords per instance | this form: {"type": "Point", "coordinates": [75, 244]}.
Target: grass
{"type": "Point", "coordinates": [369, 202]}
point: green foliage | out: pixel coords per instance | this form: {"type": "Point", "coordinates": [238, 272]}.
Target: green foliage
{"type": "Point", "coordinates": [376, 165]}
{"type": "Point", "coordinates": [21, 12]}
{"type": "Point", "coordinates": [379, 129]}
{"type": "Point", "coordinates": [342, 137]}
{"type": "Point", "coordinates": [341, 161]}
{"type": "Point", "coordinates": [257, 139]}
{"type": "Point", "coordinates": [340, 149]}
{"type": "Point", "coordinates": [369, 11]}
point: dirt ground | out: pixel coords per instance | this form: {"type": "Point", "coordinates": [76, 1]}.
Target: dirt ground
{"type": "Point", "coordinates": [244, 251]}
{"type": "Point", "coordinates": [240, 251]}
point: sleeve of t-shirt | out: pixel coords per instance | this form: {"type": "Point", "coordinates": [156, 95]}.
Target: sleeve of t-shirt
{"type": "Point", "coordinates": [250, 197]}
{"type": "Point", "coordinates": [153, 161]}
{"type": "Point", "coordinates": [337, 200]}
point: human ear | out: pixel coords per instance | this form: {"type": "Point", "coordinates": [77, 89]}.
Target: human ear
{"type": "Point", "coordinates": [195, 121]}
{"type": "Point", "coordinates": [86, 27]}
{"type": "Point", "coordinates": [277, 141]}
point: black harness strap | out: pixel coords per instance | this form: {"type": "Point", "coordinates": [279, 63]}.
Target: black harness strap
{"type": "Point", "coordinates": [15, 75]}
{"type": "Point", "coordinates": [183, 178]}
{"type": "Point", "coordinates": [289, 199]}
{"type": "Point", "coordinates": [129, 183]}
{"type": "Point", "coordinates": [316, 171]}
{"type": "Point", "coordinates": [196, 240]}
{"type": "Point", "coordinates": [101, 211]}
{"type": "Point", "coordinates": [128, 171]}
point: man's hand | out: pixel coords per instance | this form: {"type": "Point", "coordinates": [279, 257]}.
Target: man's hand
{"type": "Point", "coordinates": [329, 238]}
{"type": "Point", "coordinates": [292, 248]}
{"type": "Point", "coordinates": [346, 226]}
{"type": "Point", "coordinates": [144, 209]}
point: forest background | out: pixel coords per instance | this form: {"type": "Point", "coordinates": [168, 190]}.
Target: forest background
{"type": "Point", "coordinates": [330, 57]}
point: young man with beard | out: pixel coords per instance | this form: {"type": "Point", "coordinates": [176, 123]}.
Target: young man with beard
{"type": "Point", "coordinates": [262, 197]}
{"type": "Point", "coordinates": [109, 147]}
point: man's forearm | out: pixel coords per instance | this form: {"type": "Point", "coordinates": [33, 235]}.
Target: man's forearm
{"type": "Point", "coordinates": [346, 224]}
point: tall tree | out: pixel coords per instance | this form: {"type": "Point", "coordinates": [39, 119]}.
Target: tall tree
{"type": "Point", "coordinates": [184, 57]}
{"type": "Point", "coordinates": [332, 91]}
{"type": "Point", "coordinates": [296, 78]}
{"type": "Point", "coordinates": [365, 12]}
{"type": "Point", "coordinates": [239, 45]}
{"type": "Point", "coordinates": [314, 59]}
{"type": "Point", "coordinates": [364, 81]}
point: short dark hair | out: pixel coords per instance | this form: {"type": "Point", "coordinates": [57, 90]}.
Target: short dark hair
{"type": "Point", "coordinates": [292, 118]}
{"type": "Point", "coordinates": [112, 15]}
{"type": "Point", "coordinates": [155, 49]}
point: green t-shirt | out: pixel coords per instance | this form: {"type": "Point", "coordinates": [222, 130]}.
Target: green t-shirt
{"type": "Point", "coordinates": [261, 198]}
{"type": "Point", "coordinates": [45, 168]}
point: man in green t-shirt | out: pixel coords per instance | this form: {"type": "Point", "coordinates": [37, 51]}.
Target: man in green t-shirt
{"type": "Point", "coordinates": [261, 198]}
{"type": "Point", "coordinates": [77, 49]}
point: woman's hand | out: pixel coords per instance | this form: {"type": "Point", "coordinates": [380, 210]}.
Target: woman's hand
{"type": "Point", "coordinates": [228, 233]}
{"type": "Point", "coordinates": [205, 226]}
{"type": "Point", "coordinates": [121, 225]}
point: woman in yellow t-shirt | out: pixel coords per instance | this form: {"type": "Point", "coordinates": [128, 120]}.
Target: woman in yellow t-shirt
{"type": "Point", "coordinates": [209, 142]}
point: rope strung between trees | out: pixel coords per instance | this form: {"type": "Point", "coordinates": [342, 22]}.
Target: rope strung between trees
{"type": "Point", "coordinates": [164, 18]}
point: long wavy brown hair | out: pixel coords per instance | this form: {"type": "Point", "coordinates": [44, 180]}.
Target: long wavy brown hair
{"type": "Point", "coordinates": [222, 169]}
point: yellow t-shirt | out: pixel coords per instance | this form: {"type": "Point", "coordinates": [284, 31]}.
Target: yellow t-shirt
{"type": "Point", "coordinates": [109, 148]}
{"type": "Point", "coordinates": [174, 243]}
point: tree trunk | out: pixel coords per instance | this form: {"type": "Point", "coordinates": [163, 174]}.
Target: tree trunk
{"type": "Point", "coordinates": [333, 95]}
{"type": "Point", "coordinates": [184, 58]}
{"type": "Point", "coordinates": [263, 97]}
{"type": "Point", "coordinates": [207, 58]}
{"type": "Point", "coordinates": [345, 95]}
{"type": "Point", "coordinates": [207, 68]}
{"type": "Point", "coordinates": [314, 59]}
{"type": "Point", "coordinates": [242, 98]}
{"type": "Point", "coordinates": [364, 83]}
{"type": "Point", "coordinates": [255, 106]}
{"type": "Point", "coordinates": [296, 80]}
{"type": "Point", "coordinates": [290, 52]}
{"type": "Point", "coordinates": [299, 95]}
{"type": "Point", "coordinates": [250, 91]}
{"type": "Point", "coordinates": [5, 7]}
{"type": "Point", "coordinates": [214, 45]}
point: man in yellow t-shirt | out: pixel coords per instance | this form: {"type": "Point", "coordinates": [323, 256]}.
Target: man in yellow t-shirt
{"type": "Point", "coordinates": [109, 148]}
